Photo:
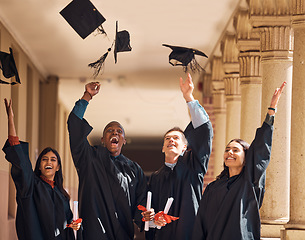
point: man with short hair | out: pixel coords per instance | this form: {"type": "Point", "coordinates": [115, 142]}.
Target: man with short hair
{"type": "Point", "coordinates": [110, 185]}
{"type": "Point", "coordinates": [181, 177]}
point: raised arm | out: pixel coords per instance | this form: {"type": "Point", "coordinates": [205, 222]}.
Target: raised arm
{"type": "Point", "coordinates": [187, 88]}
{"type": "Point", "coordinates": [91, 89]}
{"type": "Point", "coordinates": [79, 128]}
{"type": "Point", "coordinates": [275, 99]}
{"type": "Point", "coordinates": [199, 132]}
{"type": "Point", "coordinates": [17, 155]}
{"type": "Point", "coordinates": [10, 118]}
{"type": "Point", "coordinates": [258, 156]}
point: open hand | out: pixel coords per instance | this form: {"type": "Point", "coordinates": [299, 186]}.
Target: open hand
{"type": "Point", "coordinates": [276, 95]}
{"type": "Point", "coordinates": [187, 88]}
{"type": "Point", "coordinates": [9, 108]}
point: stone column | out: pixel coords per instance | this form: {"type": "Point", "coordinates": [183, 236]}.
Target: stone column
{"type": "Point", "coordinates": [233, 101]}
{"type": "Point", "coordinates": [295, 229]}
{"type": "Point", "coordinates": [273, 20]}
{"type": "Point", "coordinates": [219, 107]}
{"type": "Point", "coordinates": [48, 113]}
{"type": "Point", "coordinates": [232, 86]}
{"type": "Point", "coordinates": [248, 43]}
{"type": "Point", "coordinates": [207, 99]}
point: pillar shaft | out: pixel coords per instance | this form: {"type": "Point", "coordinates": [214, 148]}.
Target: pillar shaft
{"type": "Point", "coordinates": [219, 107]}
{"type": "Point", "coordinates": [295, 229]}
{"type": "Point", "coordinates": [48, 113]}
{"type": "Point", "coordinates": [233, 100]}
{"type": "Point", "coordinates": [232, 86]}
{"type": "Point", "coordinates": [277, 68]}
{"type": "Point", "coordinates": [219, 140]}
{"type": "Point", "coordinates": [251, 92]}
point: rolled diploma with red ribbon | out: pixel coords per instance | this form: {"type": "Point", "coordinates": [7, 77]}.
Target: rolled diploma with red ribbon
{"type": "Point", "coordinates": [75, 213]}
{"type": "Point", "coordinates": [148, 206]}
{"type": "Point", "coordinates": [167, 207]}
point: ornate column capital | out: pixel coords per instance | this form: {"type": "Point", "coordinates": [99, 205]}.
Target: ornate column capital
{"type": "Point", "coordinates": [298, 7]}
{"type": "Point", "coordinates": [207, 87]}
{"type": "Point", "coordinates": [248, 38]}
{"type": "Point", "coordinates": [270, 13]}
{"type": "Point", "coordinates": [217, 69]}
{"type": "Point", "coordinates": [250, 68]}
{"type": "Point", "coordinates": [277, 42]}
{"type": "Point", "coordinates": [230, 53]}
{"type": "Point", "coordinates": [232, 85]}
{"type": "Point", "coordinates": [298, 13]}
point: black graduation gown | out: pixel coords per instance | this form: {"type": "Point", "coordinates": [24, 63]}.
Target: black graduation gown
{"type": "Point", "coordinates": [184, 183]}
{"type": "Point", "coordinates": [42, 211]}
{"type": "Point", "coordinates": [109, 189]}
{"type": "Point", "coordinates": [229, 208]}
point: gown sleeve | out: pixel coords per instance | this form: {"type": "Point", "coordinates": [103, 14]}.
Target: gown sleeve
{"type": "Point", "coordinates": [258, 156]}
{"type": "Point", "coordinates": [199, 134]}
{"type": "Point", "coordinates": [21, 171]}
{"type": "Point", "coordinates": [79, 129]}
{"type": "Point", "coordinates": [200, 142]}
{"type": "Point", "coordinates": [140, 198]}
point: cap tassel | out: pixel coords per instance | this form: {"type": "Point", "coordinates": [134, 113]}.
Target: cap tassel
{"type": "Point", "coordinates": [194, 66]}
{"type": "Point", "coordinates": [101, 30]}
{"type": "Point", "coordinates": [98, 65]}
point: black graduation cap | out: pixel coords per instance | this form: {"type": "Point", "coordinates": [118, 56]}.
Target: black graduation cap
{"type": "Point", "coordinates": [83, 17]}
{"type": "Point", "coordinates": [121, 44]}
{"type": "Point", "coordinates": [8, 66]}
{"type": "Point", "coordinates": [185, 57]}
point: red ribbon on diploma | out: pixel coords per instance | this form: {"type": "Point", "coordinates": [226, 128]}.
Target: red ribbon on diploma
{"type": "Point", "coordinates": [143, 209]}
{"type": "Point", "coordinates": [167, 217]}
{"type": "Point", "coordinates": [74, 221]}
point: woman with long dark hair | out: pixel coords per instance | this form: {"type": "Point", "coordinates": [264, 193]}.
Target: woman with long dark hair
{"type": "Point", "coordinates": [43, 209]}
{"type": "Point", "coordinates": [229, 209]}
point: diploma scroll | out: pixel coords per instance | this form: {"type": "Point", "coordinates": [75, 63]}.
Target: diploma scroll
{"type": "Point", "coordinates": [75, 213]}
{"type": "Point", "coordinates": [148, 206]}
{"type": "Point", "coordinates": [167, 207]}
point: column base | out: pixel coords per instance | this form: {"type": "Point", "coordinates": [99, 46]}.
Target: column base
{"type": "Point", "coordinates": [293, 233]}
{"type": "Point", "coordinates": [271, 230]}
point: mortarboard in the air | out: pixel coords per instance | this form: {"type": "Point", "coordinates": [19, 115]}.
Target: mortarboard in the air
{"type": "Point", "coordinates": [83, 17]}
{"type": "Point", "coordinates": [183, 56]}
{"type": "Point", "coordinates": [121, 44]}
{"type": "Point", "coordinates": [8, 66]}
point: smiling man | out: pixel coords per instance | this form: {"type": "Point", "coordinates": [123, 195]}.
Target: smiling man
{"type": "Point", "coordinates": [110, 185]}
{"type": "Point", "coordinates": [187, 155]}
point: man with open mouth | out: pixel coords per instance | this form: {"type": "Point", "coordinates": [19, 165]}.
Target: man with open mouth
{"type": "Point", "coordinates": [110, 185]}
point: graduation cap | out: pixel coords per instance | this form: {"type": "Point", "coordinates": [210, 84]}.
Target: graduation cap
{"type": "Point", "coordinates": [182, 56]}
{"type": "Point", "coordinates": [121, 44]}
{"type": "Point", "coordinates": [8, 66]}
{"type": "Point", "coordinates": [83, 17]}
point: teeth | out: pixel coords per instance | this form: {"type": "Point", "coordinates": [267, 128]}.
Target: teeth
{"type": "Point", "coordinates": [48, 167]}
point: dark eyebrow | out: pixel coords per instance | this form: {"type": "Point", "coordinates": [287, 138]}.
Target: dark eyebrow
{"type": "Point", "coordinates": [232, 147]}
{"type": "Point", "coordinates": [175, 135]}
